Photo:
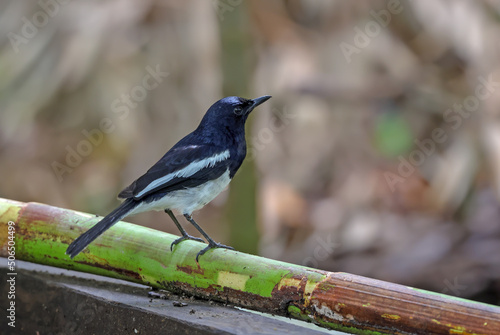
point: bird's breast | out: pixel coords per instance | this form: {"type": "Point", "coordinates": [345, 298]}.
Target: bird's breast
{"type": "Point", "coordinates": [188, 200]}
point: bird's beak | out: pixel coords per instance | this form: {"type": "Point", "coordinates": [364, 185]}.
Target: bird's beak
{"type": "Point", "coordinates": [261, 100]}
{"type": "Point", "coordinates": [256, 102]}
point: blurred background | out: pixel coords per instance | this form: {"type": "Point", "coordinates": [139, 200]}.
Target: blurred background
{"type": "Point", "coordinates": [378, 155]}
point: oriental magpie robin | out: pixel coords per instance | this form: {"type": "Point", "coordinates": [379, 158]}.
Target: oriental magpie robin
{"type": "Point", "coordinates": [190, 175]}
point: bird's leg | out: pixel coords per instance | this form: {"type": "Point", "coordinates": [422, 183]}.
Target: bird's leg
{"type": "Point", "coordinates": [211, 243]}
{"type": "Point", "coordinates": [185, 235]}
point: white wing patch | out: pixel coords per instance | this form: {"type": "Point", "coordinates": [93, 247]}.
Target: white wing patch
{"type": "Point", "coordinates": [187, 171]}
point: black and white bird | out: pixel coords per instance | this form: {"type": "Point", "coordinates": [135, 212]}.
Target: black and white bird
{"type": "Point", "coordinates": [190, 175]}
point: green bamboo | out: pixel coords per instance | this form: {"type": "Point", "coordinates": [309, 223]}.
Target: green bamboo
{"type": "Point", "coordinates": [333, 300]}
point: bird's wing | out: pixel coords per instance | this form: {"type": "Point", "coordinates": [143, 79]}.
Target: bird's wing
{"type": "Point", "coordinates": [181, 167]}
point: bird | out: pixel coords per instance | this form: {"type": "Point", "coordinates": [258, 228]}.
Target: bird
{"type": "Point", "coordinates": [190, 175]}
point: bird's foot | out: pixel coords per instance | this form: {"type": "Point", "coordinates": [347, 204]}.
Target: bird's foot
{"type": "Point", "coordinates": [185, 237]}
{"type": "Point", "coordinates": [213, 245]}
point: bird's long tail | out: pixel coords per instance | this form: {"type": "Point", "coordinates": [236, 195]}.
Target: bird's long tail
{"type": "Point", "coordinates": [109, 220]}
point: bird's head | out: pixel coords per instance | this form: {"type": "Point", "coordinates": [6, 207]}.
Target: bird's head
{"type": "Point", "coordinates": [232, 110]}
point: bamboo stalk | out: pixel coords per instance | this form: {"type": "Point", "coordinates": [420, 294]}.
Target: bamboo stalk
{"type": "Point", "coordinates": [339, 301]}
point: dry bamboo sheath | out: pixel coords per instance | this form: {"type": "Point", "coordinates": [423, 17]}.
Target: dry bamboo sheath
{"type": "Point", "coordinates": [340, 301]}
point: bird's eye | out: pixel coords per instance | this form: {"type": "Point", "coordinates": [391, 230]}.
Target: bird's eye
{"type": "Point", "coordinates": [238, 111]}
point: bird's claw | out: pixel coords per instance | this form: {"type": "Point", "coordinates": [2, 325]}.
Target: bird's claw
{"type": "Point", "coordinates": [212, 246]}
{"type": "Point", "coordinates": [185, 237]}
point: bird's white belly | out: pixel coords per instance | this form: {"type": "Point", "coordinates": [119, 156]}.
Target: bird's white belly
{"type": "Point", "coordinates": [188, 200]}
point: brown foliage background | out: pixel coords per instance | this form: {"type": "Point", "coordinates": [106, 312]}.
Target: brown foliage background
{"type": "Point", "coordinates": [379, 153]}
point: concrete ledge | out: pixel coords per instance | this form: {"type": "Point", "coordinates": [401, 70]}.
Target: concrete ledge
{"type": "Point", "coordinates": [55, 301]}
